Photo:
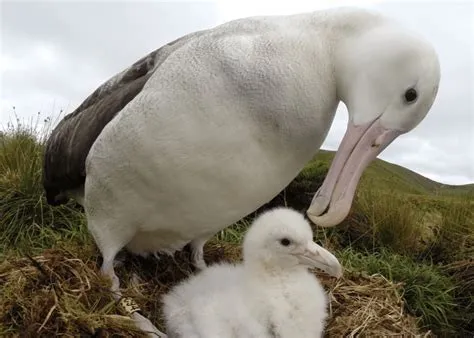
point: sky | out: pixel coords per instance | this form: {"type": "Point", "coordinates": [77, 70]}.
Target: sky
{"type": "Point", "coordinates": [55, 53]}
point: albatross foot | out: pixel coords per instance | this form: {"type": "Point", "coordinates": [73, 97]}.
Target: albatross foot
{"type": "Point", "coordinates": [145, 325]}
{"type": "Point", "coordinates": [129, 307]}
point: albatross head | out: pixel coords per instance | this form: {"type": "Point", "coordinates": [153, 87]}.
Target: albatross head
{"type": "Point", "coordinates": [388, 80]}
{"type": "Point", "coordinates": [281, 238]}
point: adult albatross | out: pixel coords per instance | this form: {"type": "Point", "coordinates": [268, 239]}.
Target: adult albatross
{"type": "Point", "coordinates": [192, 138]}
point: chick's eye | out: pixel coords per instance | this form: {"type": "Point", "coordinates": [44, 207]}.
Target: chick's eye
{"type": "Point", "coordinates": [411, 95]}
{"type": "Point", "coordinates": [285, 241]}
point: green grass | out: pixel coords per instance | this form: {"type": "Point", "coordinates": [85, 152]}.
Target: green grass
{"type": "Point", "coordinates": [234, 233]}
{"type": "Point", "coordinates": [428, 293]}
{"type": "Point", "coordinates": [422, 228]}
{"type": "Point", "coordinates": [389, 176]}
{"type": "Point", "coordinates": [27, 222]}
{"type": "Point", "coordinates": [402, 225]}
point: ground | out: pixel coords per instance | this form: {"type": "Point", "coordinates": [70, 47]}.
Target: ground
{"type": "Point", "coordinates": [406, 248]}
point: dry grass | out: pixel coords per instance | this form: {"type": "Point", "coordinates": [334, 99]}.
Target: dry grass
{"type": "Point", "coordinates": [61, 293]}
{"type": "Point", "coordinates": [368, 306]}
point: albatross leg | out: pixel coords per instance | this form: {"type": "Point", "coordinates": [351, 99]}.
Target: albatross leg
{"type": "Point", "coordinates": [109, 250]}
{"type": "Point", "coordinates": [127, 304]}
{"type": "Point", "coordinates": [108, 270]}
{"type": "Point", "coordinates": [197, 252]}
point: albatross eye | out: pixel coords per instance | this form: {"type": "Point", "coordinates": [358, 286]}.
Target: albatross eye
{"type": "Point", "coordinates": [285, 241]}
{"type": "Point", "coordinates": [411, 95]}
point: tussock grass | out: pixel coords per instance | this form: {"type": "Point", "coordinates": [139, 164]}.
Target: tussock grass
{"type": "Point", "coordinates": [424, 228]}
{"type": "Point", "coordinates": [384, 220]}
{"type": "Point", "coordinates": [428, 293]}
{"type": "Point", "coordinates": [463, 274]}
{"type": "Point", "coordinates": [456, 235]}
{"type": "Point", "coordinates": [26, 220]}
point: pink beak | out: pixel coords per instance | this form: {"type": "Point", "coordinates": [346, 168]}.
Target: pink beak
{"type": "Point", "coordinates": [360, 146]}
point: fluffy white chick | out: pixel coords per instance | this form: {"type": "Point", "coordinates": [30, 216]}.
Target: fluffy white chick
{"type": "Point", "coordinates": [272, 293]}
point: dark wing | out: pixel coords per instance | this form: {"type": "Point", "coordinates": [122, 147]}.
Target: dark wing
{"type": "Point", "coordinates": [69, 143]}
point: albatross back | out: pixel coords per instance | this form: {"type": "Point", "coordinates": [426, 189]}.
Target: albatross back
{"type": "Point", "coordinates": [69, 143]}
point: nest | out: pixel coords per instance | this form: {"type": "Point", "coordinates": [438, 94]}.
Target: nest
{"type": "Point", "coordinates": [62, 293]}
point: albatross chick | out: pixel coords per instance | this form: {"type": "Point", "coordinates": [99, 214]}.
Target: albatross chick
{"type": "Point", "coordinates": [271, 294]}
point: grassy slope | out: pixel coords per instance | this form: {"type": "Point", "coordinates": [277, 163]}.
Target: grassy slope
{"type": "Point", "coordinates": [386, 175]}
{"type": "Point", "coordinates": [403, 225]}
{"type": "Point", "coordinates": [408, 228]}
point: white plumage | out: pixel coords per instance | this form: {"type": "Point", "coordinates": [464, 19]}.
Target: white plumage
{"type": "Point", "coordinates": [271, 294]}
{"type": "Point", "coordinates": [233, 115]}
{"type": "Point", "coordinates": [223, 121]}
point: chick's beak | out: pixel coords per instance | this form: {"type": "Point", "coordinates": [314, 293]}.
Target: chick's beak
{"type": "Point", "coordinates": [318, 257]}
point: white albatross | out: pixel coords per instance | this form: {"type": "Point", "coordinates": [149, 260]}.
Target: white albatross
{"type": "Point", "coordinates": [271, 294]}
{"type": "Point", "coordinates": [203, 131]}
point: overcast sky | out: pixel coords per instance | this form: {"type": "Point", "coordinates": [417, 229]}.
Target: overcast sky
{"type": "Point", "coordinates": [54, 54]}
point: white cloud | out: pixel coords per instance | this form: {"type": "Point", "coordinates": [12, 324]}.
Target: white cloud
{"type": "Point", "coordinates": [229, 10]}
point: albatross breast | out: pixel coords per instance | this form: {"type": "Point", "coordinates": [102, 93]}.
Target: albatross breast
{"type": "Point", "coordinates": [213, 138]}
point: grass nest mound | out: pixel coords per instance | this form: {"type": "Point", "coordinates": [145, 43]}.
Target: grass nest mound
{"type": "Point", "coordinates": [61, 293]}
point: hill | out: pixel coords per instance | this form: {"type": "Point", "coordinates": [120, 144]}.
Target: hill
{"type": "Point", "coordinates": [382, 178]}
{"type": "Point", "coordinates": [385, 175]}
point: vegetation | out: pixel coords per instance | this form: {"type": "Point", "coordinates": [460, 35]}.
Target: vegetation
{"type": "Point", "coordinates": [27, 222]}
{"type": "Point", "coordinates": [415, 234]}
